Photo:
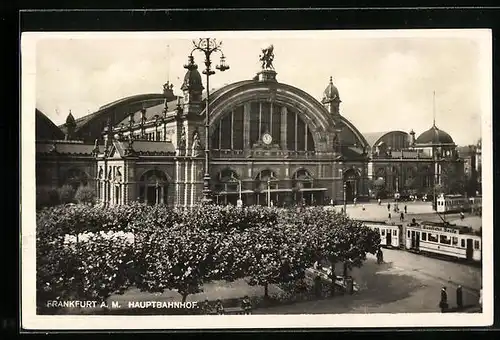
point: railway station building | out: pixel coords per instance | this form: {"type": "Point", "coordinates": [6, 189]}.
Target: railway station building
{"type": "Point", "coordinates": [264, 136]}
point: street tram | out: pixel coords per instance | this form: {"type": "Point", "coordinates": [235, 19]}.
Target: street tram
{"type": "Point", "coordinates": [391, 234]}
{"type": "Point", "coordinates": [475, 204]}
{"type": "Point", "coordinates": [442, 238]}
{"type": "Point", "coordinates": [451, 203]}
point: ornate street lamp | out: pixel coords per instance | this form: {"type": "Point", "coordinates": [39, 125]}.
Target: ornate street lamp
{"type": "Point", "coordinates": [239, 203]}
{"type": "Point", "coordinates": [208, 46]}
{"type": "Point", "coordinates": [157, 191]}
{"type": "Point", "coordinates": [344, 190]}
{"type": "Point", "coordinates": [269, 179]}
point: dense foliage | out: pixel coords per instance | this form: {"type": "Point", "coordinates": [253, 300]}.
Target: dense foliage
{"type": "Point", "coordinates": [378, 187]}
{"type": "Point", "coordinates": [85, 194]}
{"type": "Point", "coordinates": [66, 194]}
{"type": "Point", "coordinates": [92, 252]}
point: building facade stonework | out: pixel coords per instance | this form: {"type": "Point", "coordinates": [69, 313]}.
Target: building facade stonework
{"type": "Point", "coordinates": [267, 139]}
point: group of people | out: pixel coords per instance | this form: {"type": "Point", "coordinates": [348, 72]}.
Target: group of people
{"type": "Point", "coordinates": [396, 209]}
{"type": "Point", "coordinates": [443, 303]}
{"type": "Point", "coordinates": [219, 309]}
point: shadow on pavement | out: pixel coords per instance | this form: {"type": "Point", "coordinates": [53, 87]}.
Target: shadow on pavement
{"type": "Point", "coordinates": [381, 283]}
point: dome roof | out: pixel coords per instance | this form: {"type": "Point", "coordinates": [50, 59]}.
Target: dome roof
{"type": "Point", "coordinates": [331, 92]}
{"type": "Point", "coordinates": [434, 136]}
{"type": "Point", "coordinates": [192, 78]}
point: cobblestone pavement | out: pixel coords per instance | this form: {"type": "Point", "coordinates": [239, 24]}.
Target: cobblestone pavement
{"type": "Point", "coordinates": [375, 211]}
{"type": "Point", "coordinates": [421, 211]}
{"type": "Point", "coordinates": [405, 283]}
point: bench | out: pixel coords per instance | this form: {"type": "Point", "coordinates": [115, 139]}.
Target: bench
{"type": "Point", "coordinates": [234, 311]}
{"type": "Point", "coordinates": [324, 274]}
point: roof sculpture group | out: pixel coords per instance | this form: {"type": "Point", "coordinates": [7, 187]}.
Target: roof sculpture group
{"type": "Point", "coordinates": [267, 58]}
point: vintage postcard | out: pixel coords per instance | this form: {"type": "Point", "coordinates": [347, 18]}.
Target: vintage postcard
{"type": "Point", "coordinates": [270, 179]}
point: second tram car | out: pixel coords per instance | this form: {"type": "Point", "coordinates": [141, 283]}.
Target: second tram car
{"type": "Point", "coordinates": [475, 204]}
{"type": "Point", "coordinates": [444, 239]}
{"type": "Point", "coordinates": [451, 203]}
{"type": "Point", "coordinates": [391, 234]}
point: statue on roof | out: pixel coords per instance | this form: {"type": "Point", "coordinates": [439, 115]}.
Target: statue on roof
{"type": "Point", "coordinates": [95, 151]}
{"type": "Point", "coordinates": [267, 58]}
{"type": "Point", "coordinates": [130, 142]}
{"type": "Point", "coordinates": [167, 87]}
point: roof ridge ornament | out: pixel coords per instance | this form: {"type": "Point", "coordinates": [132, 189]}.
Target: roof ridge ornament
{"type": "Point", "coordinates": [267, 57]}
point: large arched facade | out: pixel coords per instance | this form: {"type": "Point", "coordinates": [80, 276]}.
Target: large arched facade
{"type": "Point", "coordinates": [269, 143]}
{"type": "Point", "coordinates": [260, 127]}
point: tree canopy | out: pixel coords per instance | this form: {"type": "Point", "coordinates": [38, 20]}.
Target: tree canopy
{"type": "Point", "coordinates": [180, 249]}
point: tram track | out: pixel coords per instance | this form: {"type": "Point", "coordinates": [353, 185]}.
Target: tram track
{"type": "Point", "coordinates": [400, 265]}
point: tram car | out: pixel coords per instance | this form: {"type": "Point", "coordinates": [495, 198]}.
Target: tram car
{"type": "Point", "coordinates": [451, 203]}
{"type": "Point", "coordinates": [449, 240]}
{"type": "Point", "coordinates": [475, 204]}
{"type": "Point", "coordinates": [391, 234]}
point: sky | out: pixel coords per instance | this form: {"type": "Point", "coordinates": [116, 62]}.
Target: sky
{"type": "Point", "coordinates": [386, 82]}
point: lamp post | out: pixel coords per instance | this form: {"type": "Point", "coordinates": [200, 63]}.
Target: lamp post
{"type": "Point", "coordinates": [269, 192]}
{"type": "Point", "coordinates": [344, 190]}
{"type": "Point", "coordinates": [157, 190]}
{"type": "Point", "coordinates": [269, 179]}
{"type": "Point", "coordinates": [239, 189]}
{"type": "Point", "coordinates": [208, 46]}
{"type": "Point", "coordinates": [239, 203]}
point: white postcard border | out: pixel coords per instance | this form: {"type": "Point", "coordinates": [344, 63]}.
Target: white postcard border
{"type": "Point", "coordinates": [31, 321]}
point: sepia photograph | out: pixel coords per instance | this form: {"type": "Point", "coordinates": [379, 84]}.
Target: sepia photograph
{"type": "Point", "coordinates": [270, 179]}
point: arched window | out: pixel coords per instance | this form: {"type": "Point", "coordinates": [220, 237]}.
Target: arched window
{"type": "Point", "coordinates": [227, 181]}
{"type": "Point", "coordinates": [265, 178]}
{"type": "Point", "coordinates": [264, 117]}
{"type": "Point", "coordinates": [351, 180]}
{"type": "Point", "coordinates": [153, 187]}
{"type": "Point", "coordinates": [227, 187]}
{"type": "Point", "coordinates": [302, 179]}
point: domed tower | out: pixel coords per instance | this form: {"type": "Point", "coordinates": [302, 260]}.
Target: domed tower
{"type": "Point", "coordinates": [331, 98]}
{"type": "Point", "coordinates": [192, 88]}
{"type": "Point", "coordinates": [435, 137]}
{"type": "Point", "coordinates": [412, 138]}
{"type": "Point", "coordinates": [70, 126]}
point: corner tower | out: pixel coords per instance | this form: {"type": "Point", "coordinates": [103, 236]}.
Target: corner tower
{"type": "Point", "coordinates": [70, 126]}
{"type": "Point", "coordinates": [331, 99]}
{"type": "Point", "coordinates": [192, 88]}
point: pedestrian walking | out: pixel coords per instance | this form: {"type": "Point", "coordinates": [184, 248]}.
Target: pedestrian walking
{"type": "Point", "coordinates": [318, 289]}
{"type": "Point", "coordinates": [459, 297]}
{"type": "Point", "coordinates": [363, 207]}
{"type": "Point", "coordinates": [379, 201]}
{"type": "Point", "coordinates": [390, 216]}
{"type": "Point", "coordinates": [389, 207]}
{"type": "Point", "coordinates": [355, 200]}
{"type": "Point", "coordinates": [406, 209]}
{"type": "Point", "coordinates": [219, 307]}
{"type": "Point", "coordinates": [402, 216]}
{"type": "Point", "coordinates": [443, 303]}
{"type": "Point", "coordinates": [246, 305]}
{"type": "Point", "coordinates": [333, 279]}
{"type": "Point", "coordinates": [380, 256]}
{"type": "Point", "coordinates": [462, 216]}
{"type": "Point", "coordinates": [206, 307]}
